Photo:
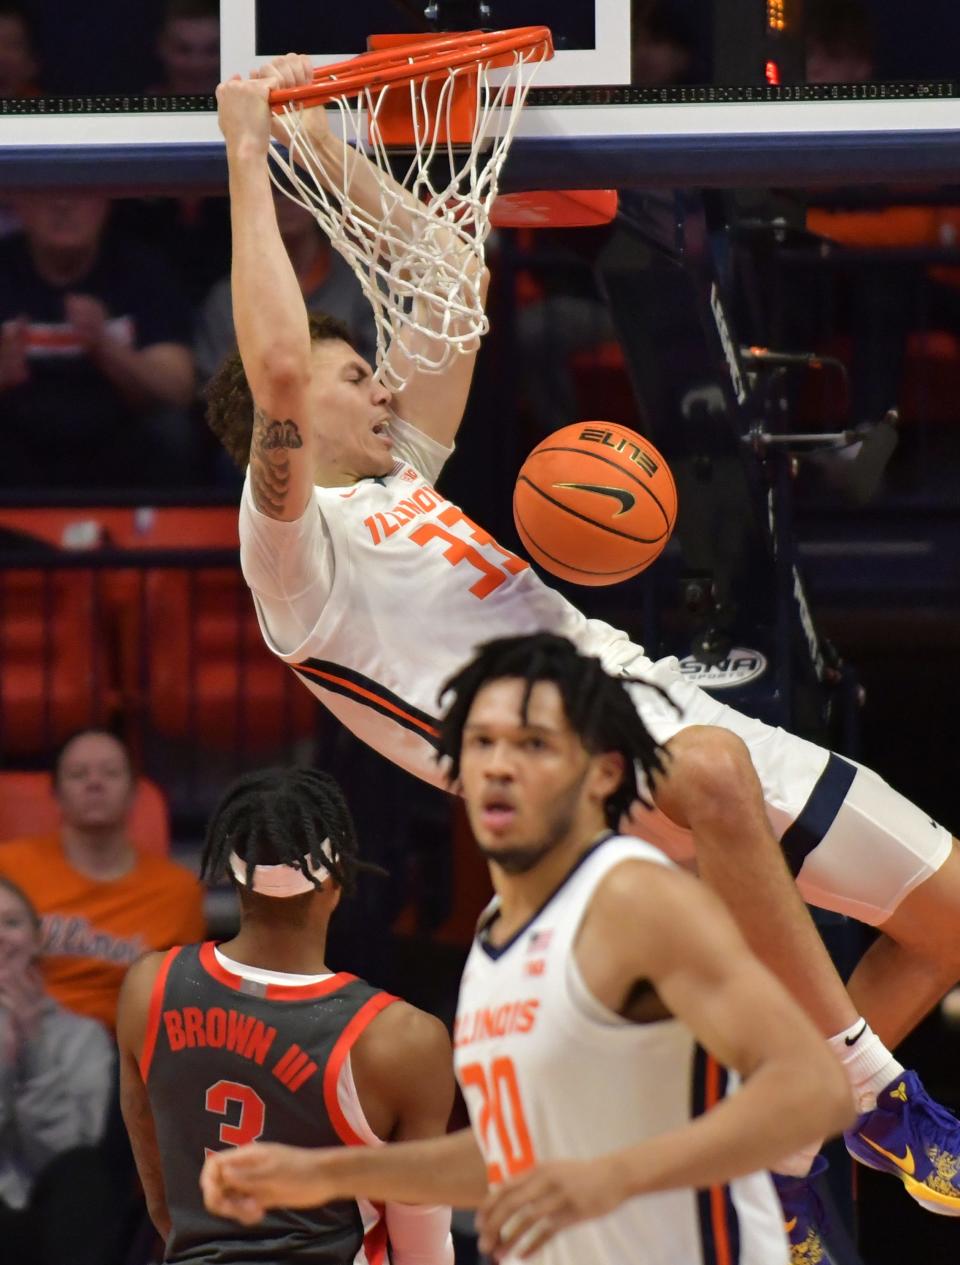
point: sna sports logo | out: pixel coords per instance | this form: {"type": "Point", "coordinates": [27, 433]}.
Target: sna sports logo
{"type": "Point", "coordinates": [738, 667]}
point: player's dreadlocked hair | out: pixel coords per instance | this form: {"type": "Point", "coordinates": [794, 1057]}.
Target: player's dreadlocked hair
{"type": "Point", "coordinates": [283, 817]}
{"type": "Point", "coordinates": [598, 707]}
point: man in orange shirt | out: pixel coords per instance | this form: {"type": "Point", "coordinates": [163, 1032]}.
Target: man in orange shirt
{"type": "Point", "coordinates": [102, 902]}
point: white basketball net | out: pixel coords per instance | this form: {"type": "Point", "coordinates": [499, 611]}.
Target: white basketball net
{"type": "Point", "coordinates": [422, 282]}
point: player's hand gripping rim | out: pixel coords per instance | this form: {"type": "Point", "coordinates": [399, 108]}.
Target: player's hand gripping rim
{"type": "Point", "coordinates": [293, 70]}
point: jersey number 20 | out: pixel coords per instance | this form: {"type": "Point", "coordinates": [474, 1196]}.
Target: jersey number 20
{"type": "Point", "coordinates": [500, 1105]}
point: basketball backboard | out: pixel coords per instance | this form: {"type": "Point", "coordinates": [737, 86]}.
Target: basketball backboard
{"type": "Point", "coordinates": [640, 92]}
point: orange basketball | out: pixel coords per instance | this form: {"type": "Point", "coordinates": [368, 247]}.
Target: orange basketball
{"type": "Point", "coordinates": [595, 503]}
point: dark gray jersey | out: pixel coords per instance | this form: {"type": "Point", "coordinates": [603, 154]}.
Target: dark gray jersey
{"type": "Point", "coordinates": [227, 1061]}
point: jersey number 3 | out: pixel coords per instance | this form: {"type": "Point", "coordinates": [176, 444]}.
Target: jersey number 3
{"type": "Point", "coordinates": [250, 1122]}
{"type": "Point", "coordinates": [458, 550]}
{"type": "Point", "coordinates": [500, 1105]}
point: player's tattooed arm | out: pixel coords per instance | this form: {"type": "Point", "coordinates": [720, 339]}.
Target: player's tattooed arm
{"type": "Point", "coordinates": [271, 473]}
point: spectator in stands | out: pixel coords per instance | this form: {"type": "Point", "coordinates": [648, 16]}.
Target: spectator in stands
{"type": "Point", "coordinates": [192, 231]}
{"type": "Point", "coordinates": [188, 48]}
{"type": "Point", "coordinates": [18, 62]}
{"type": "Point", "coordinates": [18, 75]}
{"type": "Point", "coordinates": [878, 302]}
{"type": "Point", "coordinates": [96, 370]}
{"type": "Point", "coordinates": [564, 316]}
{"type": "Point", "coordinates": [326, 281]}
{"type": "Point", "coordinates": [840, 41]}
{"type": "Point", "coordinates": [56, 1081]}
{"type": "Point", "coordinates": [664, 45]}
{"type": "Point", "coordinates": [102, 903]}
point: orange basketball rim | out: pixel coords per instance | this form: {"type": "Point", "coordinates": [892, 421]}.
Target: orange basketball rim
{"type": "Point", "coordinates": [416, 61]}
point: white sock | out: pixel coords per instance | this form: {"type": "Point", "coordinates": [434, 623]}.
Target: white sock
{"type": "Point", "coordinates": [869, 1065]}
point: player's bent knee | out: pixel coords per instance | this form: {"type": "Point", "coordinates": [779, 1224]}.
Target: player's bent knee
{"type": "Point", "coordinates": [709, 772]}
{"type": "Point", "coordinates": [710, 758]}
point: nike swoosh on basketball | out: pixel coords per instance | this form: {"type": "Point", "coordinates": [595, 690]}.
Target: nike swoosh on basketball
{"type": "Point", "coordinates": [627, 499]}
{"type": "Point", "coordinates": [856, 1036]}
{"type": "Point", "coordinates": [905, 1163]}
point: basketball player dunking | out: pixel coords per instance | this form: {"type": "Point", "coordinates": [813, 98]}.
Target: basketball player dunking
{"type": "Point", "coordinates": [596, 971]}
{"type": "Point", "coordinates": [256, 1038]}
{"type": "Point", "coordinates": [374, 588]}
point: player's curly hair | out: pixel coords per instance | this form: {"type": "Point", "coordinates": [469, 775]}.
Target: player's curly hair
{"type": "Point", "coordinates": [597, 705]}
{"type": "Point", "coordinates": [229, 399]}
{"type": "Point", "coordinates": [283, 816]}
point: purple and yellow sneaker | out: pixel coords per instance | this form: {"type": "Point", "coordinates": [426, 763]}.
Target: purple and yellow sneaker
{"type": "Point", "coordinates": [915, 1139]}
{"type": "Point", "coordinates": [804, 1216]}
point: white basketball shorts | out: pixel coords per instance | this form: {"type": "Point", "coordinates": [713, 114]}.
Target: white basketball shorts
{"type": "Point", "coordinates": [853, 843]}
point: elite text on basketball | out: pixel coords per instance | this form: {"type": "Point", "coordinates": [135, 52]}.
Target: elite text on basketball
{"type": "Point", "coordinates": [638, 455]}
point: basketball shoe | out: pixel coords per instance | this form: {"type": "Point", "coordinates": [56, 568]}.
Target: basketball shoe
{"type": "Point", "coordinates": [804, 1216]}
{"type": "Point", "coordinates": [915, 1139]}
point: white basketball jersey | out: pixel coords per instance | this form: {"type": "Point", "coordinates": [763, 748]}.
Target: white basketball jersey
{"type": "Point", "coordinates": [416, 587]}
{"type": "Point", "coordinates": [549, 1073]}
{"type": "Point", "coordinates": [394, 587]}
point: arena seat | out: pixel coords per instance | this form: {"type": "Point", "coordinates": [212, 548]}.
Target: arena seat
{"type": "Point", "coordinates": [53, 676]}
{"type": "Point", "coordinates": [209, 676]}
{"type": "Point", "coordinates": [28, 807]}
{"type": "Point", "coordinates": [126, 527]}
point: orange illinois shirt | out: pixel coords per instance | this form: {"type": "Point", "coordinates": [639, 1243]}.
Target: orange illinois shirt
{"type": "Point", "coordinates": [94, 930]}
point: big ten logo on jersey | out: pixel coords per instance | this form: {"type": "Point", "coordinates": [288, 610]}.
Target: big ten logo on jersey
{"type": "Point", "coordinates": [537, 944]}
{"type": "Point", "coordinates": [492, 1094]}
{"type": "Point", "coordinates": [192, 1028]}
{"type": "Point", "coordinates": [448, 530]}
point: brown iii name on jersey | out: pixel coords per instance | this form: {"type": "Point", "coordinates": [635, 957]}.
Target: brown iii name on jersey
{"type": "Point", "coordinates": [216, 1028]}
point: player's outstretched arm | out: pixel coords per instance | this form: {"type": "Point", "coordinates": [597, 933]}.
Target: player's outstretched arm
{"type": "Point", "coordinates": [432, 402]}
{"type": "Point", "coordinates": [647, 923]}
{"type": "Point", "coordinates": [268, 309]}
{"type": "Point", "coordinates": [403, 1072]}
{"type": "Point", "coordinates": [132, 1010]}
{"type": "Point", "coordinates": [245, 1182]}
